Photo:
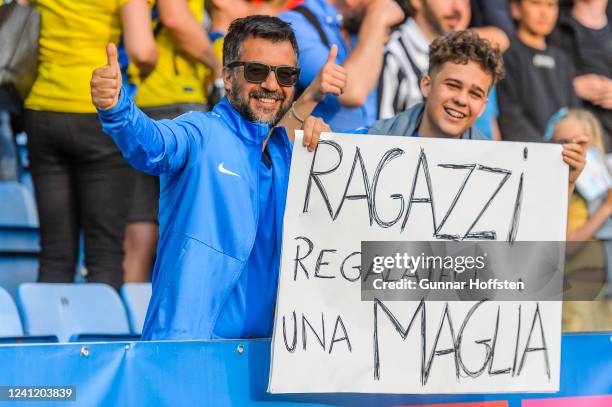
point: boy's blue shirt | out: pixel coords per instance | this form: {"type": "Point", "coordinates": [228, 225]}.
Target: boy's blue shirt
{"type": "Point", "coordinates": [208, 165]}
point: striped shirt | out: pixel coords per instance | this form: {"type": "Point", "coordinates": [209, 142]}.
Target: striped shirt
{"type": "Point", "coordinates": [406, 59]}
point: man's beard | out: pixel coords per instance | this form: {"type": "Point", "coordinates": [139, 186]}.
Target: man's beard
{"type": "Point", "coordinates": [352, 24]}
{"type": "Point", "coordinates": [242, 105]}
{"type": "Point", "coordinates": [432, 19]}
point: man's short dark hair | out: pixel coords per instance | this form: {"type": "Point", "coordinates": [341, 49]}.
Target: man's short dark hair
{"type": "Point", "coordinates": [269, 28]}
{"type": "Point", "coordinates": [461, 47]}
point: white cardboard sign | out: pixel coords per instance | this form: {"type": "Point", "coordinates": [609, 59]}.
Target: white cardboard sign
{"type": "Point", "coordinates": [375, 188]}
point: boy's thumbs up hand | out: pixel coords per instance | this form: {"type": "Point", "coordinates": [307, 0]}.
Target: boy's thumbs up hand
{"type": "Point", "coordinates": [106, 81]}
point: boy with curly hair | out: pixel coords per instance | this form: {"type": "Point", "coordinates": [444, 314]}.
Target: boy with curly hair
{"type": "Point", "coordinates": [462, 69]}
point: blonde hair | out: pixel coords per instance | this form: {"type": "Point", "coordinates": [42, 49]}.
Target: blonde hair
{"type": "Point", "coordinates": [591, 125]}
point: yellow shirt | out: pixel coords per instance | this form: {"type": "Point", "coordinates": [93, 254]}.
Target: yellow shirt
{"type": "Point", "coordinates": [177, 78]}
{"type": "Point", "coordinates": [73, 39]}
{"type": "Point", "coordinates": [590, 258]}
{"type": "Point", "coordinates": [592, 254]}
{"type": "Point", "coordinates": [577, 213]}
{"type": "Point", "coordinates": [218, 46]}
{"type": "Point", "coordinates": [584, 272]}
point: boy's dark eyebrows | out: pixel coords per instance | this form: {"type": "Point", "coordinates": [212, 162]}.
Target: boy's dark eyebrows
{"type": "Point", "coordinates": [556, 2]}
{"type": "Point", "coordinates": [479, 89]}
{"type": "Point", "coordinates": [457, 81]}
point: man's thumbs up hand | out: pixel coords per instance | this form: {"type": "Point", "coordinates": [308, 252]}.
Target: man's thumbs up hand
{"type": "Point", "coordinates": [106, 81]}
{"type": "Point", "coordinates": [112, 58]}
{"type": "Point", "coordinates": [333, 53]}
{"type": "Point", "coordinates": [331, 78]}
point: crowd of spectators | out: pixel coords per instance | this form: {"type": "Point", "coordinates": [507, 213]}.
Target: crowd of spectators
{"type": "Point", "coordinates": [557, 56]}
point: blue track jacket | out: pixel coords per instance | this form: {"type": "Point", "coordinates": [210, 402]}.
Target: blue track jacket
{"type": "Point", "coordinates": [209, 206]}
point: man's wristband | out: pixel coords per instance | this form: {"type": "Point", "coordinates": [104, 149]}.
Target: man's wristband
{"type": "Point", "coordinates": [294, 114]}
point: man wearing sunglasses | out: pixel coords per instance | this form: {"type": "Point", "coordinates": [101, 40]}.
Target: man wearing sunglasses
{"type": "Point", "coordinates": [223, 177]}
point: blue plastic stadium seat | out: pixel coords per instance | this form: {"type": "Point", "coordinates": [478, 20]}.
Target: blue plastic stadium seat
{"type": "Point", "coordinates": [15, 270]}
{"type": "Point", "coordinates": [17, 206]}
{"type": "Point", "coordinates": [25, 179]}
{"type": "Point", "coordinates": [19, 237]}
{"type": "Point", "coordinates": [20, 240]}
{"type": "Point", "coordinates": [10, 324]}
{"type": "Point", "coordinates": [136, 298]}
{"type": "Point", "coordinates": [73, 312]}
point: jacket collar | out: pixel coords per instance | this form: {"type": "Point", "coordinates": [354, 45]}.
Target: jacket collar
{"type": "Point", "coordinates": [407, 122]}
{"type": "Point", "coordinates": [248, 131]}
{"type": "Point", "coordinates": [471, 133]}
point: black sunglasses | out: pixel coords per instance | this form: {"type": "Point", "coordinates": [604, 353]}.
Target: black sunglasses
{"type": "Point", "coordinates": [256, 72]}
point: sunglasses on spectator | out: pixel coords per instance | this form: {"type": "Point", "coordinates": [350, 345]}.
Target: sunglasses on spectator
{"type": "Point", "coordinates": [255, 72]}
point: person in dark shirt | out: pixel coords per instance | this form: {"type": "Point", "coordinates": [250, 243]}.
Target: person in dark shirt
{"type": "Point", "coordinates": [539, 77]}
{"type": "Point", "coordinates": [492, 13]}
{"type": "Point", "coordinates": [585, 33]}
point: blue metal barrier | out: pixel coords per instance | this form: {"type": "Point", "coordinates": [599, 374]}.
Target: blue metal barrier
{"type": "Point", "coordinates": [235, 373]}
